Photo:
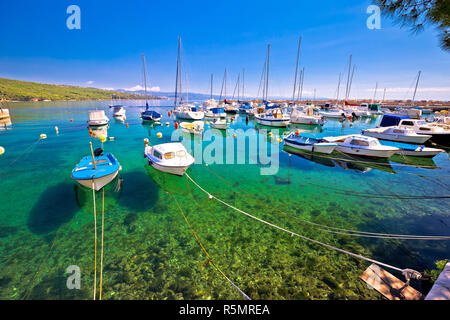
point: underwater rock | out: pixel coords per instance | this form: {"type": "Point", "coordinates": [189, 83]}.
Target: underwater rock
{"type": "Point", "coordinates": [282, 180]}
{"type": "Point", "coordinates": [315, 212]}
{"type": "Point", "coordinates": [130, 218]}
{"type": "Point", "coordinates": [4, 281]}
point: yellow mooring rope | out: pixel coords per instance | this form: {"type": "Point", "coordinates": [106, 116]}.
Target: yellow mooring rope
{"type": "Point", "coordinates": [210, 260]}
{"type": "Point", "coordinates": [95, 237]}
{"type": "Point", "coordinates": [101, 254]}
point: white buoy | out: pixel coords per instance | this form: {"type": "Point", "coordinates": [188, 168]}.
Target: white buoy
{"type": "Point", "coordinates": [2, 150]}
{"type": "Point", "coordinates": [56, 130]}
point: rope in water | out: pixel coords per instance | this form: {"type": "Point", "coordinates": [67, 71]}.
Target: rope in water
{"type": "Point", "coordinates": [101, 254]}
{"type": "Point", "coordinates": [95, 241]}
{"type": "Point", "coordinates": [296, 234]}
{"type": "Point", "coordinates": [342, 230]}
{"type": "Point", "coordinates": [206, 252]}
{"type": "Point", "coordinates": [21, 155]}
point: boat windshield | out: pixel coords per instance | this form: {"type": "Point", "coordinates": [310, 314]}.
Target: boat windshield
{"type": "Point", "coordinates": [181, 153]}
{"type": "Point", "coordinates": [169, 155]}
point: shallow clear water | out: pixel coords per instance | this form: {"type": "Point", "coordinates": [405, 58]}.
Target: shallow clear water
{"type": "Point", "coordinates": [150, 252]}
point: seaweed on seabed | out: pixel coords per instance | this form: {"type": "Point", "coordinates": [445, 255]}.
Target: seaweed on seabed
{"type": "Point", "coordinates": [6, 231]}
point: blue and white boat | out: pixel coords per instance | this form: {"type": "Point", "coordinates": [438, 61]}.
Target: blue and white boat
{"type": "Point", "coordinates": [150, 115]}
{"type": "Point", "coordinates": [309, 144]}
{"type": "Point", "coordinates": [273, 118]}
{"type": "Point", "coordinates": [216, 112]}
{"type": "Point", "coordinates": [96, 171]}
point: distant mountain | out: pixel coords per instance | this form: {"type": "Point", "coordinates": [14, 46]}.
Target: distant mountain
{"type": "Point", "coordinates": [17, 90]}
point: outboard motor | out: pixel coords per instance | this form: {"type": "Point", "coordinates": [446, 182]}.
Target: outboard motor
{"type": "Point", "coordinates": [98, 152]}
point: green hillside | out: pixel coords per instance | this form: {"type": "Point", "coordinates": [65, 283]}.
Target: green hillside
{"type": "Point", "coordinates": [32, 91]}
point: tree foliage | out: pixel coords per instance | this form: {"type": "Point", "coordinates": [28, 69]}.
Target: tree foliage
{"type": "Point", "coordinates": [416, 14]}
{"type": "Point", "coordinates": [27, 91]}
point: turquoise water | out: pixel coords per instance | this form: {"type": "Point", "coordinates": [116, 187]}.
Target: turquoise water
{"type": "Point", "coordinates": [150, 252]}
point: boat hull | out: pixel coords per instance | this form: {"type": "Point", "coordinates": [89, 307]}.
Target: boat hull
{"type": "Point", "coordinates": [425, 152]}
{"type": "Point", "coordinates": [397, 138]}
{"type": "Point", "coordinates": [99, 183]}
{"type": "Point", "coordinates": [366, 152]}
{"type": "Point", "coordinates": [307, 120]}
{"type": "Point", "coordinates": [326, 148]}
{"type": "Point", "coordinates": [198, 115]}
{"type": "Point", "coordinates": [272, 123]}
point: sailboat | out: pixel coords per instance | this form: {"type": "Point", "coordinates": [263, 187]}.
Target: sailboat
{"type": "Point", "coordinates": [275, 117]}
{"type": "Point", "coordinates": [148, 115]}
{"type": "Point", "coordinates": [183, 111]}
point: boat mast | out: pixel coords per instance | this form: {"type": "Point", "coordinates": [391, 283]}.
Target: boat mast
{"type": "Point", "coordinates": [211, 86]}
{"type": "Point", "coordinates": [351, 80]}
{"type": "Point", "coordinates": [375, 92]}
{"type": "Point", "coordinates": [267, 70]}
{"type": "Point", "coordinates": [300, 84]}
{"type": "Point", "coordinates": [243, 79]}
{"type": "Point", "coordinates": [177, 74]}
{"type": "Point", "coordinates": [384, 94]}
{"type": "Point", "coordinates": [348, 78]}
{"type": "Point", "coordinates": [261, 80]}
{"type": "Point", "coordinates": [296, 68]}
{"type": "Point", "coordinates": [223, 84]}
{"type": "Point", "coordinates": [415, 90]}
{"type": "Point", "coordinates": [145, 81]}
{"type": "Point", "coordinates": [339, 86]}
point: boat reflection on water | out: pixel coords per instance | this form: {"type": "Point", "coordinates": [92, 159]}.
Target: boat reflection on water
{"type": "Point", "coordinates": [418, 162]}
{"type": "Point", "coordinates": [5, 124]}
{"type": "Point", "coordinates": [96, 132]}
{"type": "Point", "coordinates": [305, 128]}
{"type": "Point", "coordinates": [168, 182]}
{"type": "Point", "coordinates": [343, 161]}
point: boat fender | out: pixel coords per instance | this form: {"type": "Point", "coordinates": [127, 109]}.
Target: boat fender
{"type": "Point", "coordinates": [167, 124]}
{"type": "Point", "coordinates": [112, 138]}
{"type": "Point", "coordinates": [159, 135]}
{"type": "Point", "coordinates": [297, 133]}
{"type": "Point", "coordinates": [2, 150]}
{"type": "Point", "coordinates": [176, 125]}
{"type": "Point", "coordinates": [127, 124]}
{"type": "Point", "coordinates": [102, 138]}
{"type": "Point", "coordinates": [71, 120]}
{"type": "Point", "coordinates": [270, 133]}
{"type": "Point", "coordinates": [43, 136]}
{"type": "Point", "coordinates": [279, 140]}
{"type": "Point", "coordinates": [169, 114]}
{"type": "Point", "coordinates": [146, 142]}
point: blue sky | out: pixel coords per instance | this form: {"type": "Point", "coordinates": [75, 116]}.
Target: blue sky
{"type": "Point", "coordinates": [106, 52]}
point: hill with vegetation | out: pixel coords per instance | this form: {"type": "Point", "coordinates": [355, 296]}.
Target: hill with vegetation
{"type": "Point", "coordinates": [17, 90]}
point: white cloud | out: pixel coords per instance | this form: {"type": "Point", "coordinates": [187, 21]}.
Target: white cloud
{"type": "Point", "coordinates": [109, 89]}
{"type": "Point", "coordinates": [139, 88]}
{"type": "Point", "coordinates": [90, 82]}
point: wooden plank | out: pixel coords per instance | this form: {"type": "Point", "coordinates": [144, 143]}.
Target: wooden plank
{"type": "Point", "coordinates": [388, 285]}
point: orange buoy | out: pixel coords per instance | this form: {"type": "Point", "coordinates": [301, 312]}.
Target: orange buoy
{"type": "Point", "coordinates": [297, 133]}
{"type": "Point", "coordinates": [169, 114]}
{"type": "Point", "coordinates": [71, 120]}
{"type": "Point", "coordinates": [127, 124]}
{"type": "Point", "coordinates": [176, 125]}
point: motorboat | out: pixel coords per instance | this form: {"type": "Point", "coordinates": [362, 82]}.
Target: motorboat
{"type": "Point", "coordinates": [119, 111]}
{"type": "Point", "coordinates": [210, 103]}
{"type": "Point", "coordinates": [439, 134]}
{"type": "Point", "coordinates": [97, 170]}
{"type": "Point", "coordinates": [220, 124]}
{"type": "Point", "coordinates": [188, 112]}
{"type": "Point", "coordinates": [334, 113]}
{"type": "Point", "coordinates": [169, 157]}
{"type": "Point", "coordinates": [150, 115]}
{"type": "Point", "coordinates": [273, 118]}
{"type": "Point", "coordinates": [195, 127]}
{"type": "Point", "coordinates": [408, 112]}
{"type": "Point", "coordinates": [309, 144]}
{"type": "Point", "coordinates": [362, 146]}
{"type": "Point", "coordinates": [231, 108]}
{"type": "Point", "coordinates": [420, 151]}
{"type": "Point", "coordinates": [397, 134]}
{"type": "Point", "coordinates": [216, 112]}
{"type": "Point", "coordinates": [97, 118]}
{"type": "Point", "coordinates": [4, 113]}
{"type": "Point", "coordinates": [306, 116]}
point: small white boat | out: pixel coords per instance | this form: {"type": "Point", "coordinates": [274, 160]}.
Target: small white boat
{"type": "Point", "coordinates": [215, 112]}
{"type": "Point", "coordinates": [195, 127]}
{"type": "Point", "coordinates": [273, 118]}
{"type": "Point", "coordinates": [118, 112]}
{"type": "Point", "coordinates": [97, 118]}
{"type": "Point", "coordinates": [188, 112]}
{"type": "Point", "coordinates": [362, 146]}
{"type": "Point", "coordinates": [211, 103]}
{"type": "Point", "coordinates": [220, 124]}
{"type": "Point", "coordinates": [336, 114]}
{"type": "Point", "coordinates": [439, 134]}
{"type": "Point", "coordinates": [306, 116]}
{"type": "Point", "coordinates": [231, 108]}
{"type": "Point", "coordinates": [396, 134]}
{"type": "Point", "coordinates": [169, 157]}
{"type": "Point", "coordinates": [309, 144]}
{"type": "Point", "coordinates": [97, 170]}
{"type": "Point", "coordinates": [420, 151]}
{"type": "Point", "coordinates": [4, 113]}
